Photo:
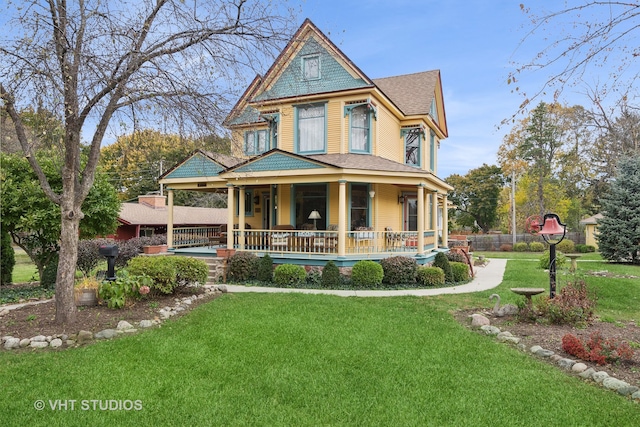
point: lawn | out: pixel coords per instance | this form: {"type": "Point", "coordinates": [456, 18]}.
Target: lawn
{"type": "Point", "coordinates": [293, 359]}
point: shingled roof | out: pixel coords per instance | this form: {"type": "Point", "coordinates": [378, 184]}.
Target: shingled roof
{"type": "Point", "coordinates": [141, 214]}
{"type": "Point", "coordinates": [364, 162]}
{"type": "Point", "coordinates": [411, 93]}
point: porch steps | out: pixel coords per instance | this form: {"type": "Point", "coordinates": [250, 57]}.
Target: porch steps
{"type": "Point", "coordinates": [216, 269]}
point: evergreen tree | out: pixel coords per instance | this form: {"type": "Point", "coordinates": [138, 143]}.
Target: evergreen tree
{"type": "Point", "coordinates": [619, 229]}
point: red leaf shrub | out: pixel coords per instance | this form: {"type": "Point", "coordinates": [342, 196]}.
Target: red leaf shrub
{"type": "Point", "coordinates": [597, 349]}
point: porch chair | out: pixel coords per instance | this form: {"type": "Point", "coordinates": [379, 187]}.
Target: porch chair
{"type": "Point", "coordinates": [327, 242]}
{"type": "Point", "coordinates": [393, 240]}
{"type": "Point", "coordinates": [279, 238]}
{"type": "Point", "coordinates": [224, 233]}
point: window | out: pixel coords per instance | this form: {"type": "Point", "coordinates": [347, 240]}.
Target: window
{"type": "Point", "coordinates": [248, 203]}
{"type": "Point", "coordinates": [412, 148]}
{"type": "Point", "coordinates": [311, 129]}
{"type": "Point", "coordinates": [432, 151]}
{"type": "Point", "coordinates": [434, 110]}
{"type": "Point", "coordinates": [311, 67]}
{"type": "Point", "coordinates": [255, 142]}
{"type": "Point", "coordinates": [359, 206]}
{"type": "Point", "coordinates": [308, 198]}
{"type": "Point", "coordinates": [360, 120]}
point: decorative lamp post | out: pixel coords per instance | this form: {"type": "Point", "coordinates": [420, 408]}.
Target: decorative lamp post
{"type": "Point", "coordinates": [553, 232]}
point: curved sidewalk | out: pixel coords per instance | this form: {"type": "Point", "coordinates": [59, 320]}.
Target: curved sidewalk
{"type": "Point", "coordinates": [487, 277]}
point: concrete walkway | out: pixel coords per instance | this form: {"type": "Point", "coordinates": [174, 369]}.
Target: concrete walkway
{"type": "Point", "coordinates": [487, 277]}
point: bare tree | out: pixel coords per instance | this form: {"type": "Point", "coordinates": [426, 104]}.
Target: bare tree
{"type": "Point", "coordinates": [94, 62]}
{"type": "Point", "coordinates": [583, 36]}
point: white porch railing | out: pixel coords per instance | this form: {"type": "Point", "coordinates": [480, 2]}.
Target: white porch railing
{"type": "Point", "coordinates": [307, 241]}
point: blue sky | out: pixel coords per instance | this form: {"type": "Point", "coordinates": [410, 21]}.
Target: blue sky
{"type": "Point", "coordinates": [472, 42]}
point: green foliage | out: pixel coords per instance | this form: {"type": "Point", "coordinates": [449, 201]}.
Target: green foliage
{"type": "Point", "coordinates": [331, 277]}
{"type": "Point", "coordinates": [265, 269]}
{"type": "Point", "coordinates": [566, 246]}
{"type": "Point", "coordinates": [583, 249]}
{"type": "Point", "coordinates": [117, 293]}
{"type": "Point", "coordinates": [619, 228]}
{"type": "Point", "coordinates": [289, 275]}
{"type": "Point", "coordinates": [189, 271]}
{"type": "Point", "coordinates": [399, 270]}
{"type": "Point", "coordinates": [10, 295]}
{"type": "Point", "coordinates": [476, 196]}
{"type": "Point", "coordinates": [34, 221]}
{"type": "Point", "coordinates": [7, 257]}
{"type": "Point", "coordinates": [442, 262]}
{"type": "Point", "coordinates": [521, 247]}
{"type": "Point", "coordinates": [460, 271]}
{"type": "Point", "coordinates": [544, 260]}
{"type": "Point", "coordinates": [50, 273]}
{"type": "Point", "coordinates": [573, 305]}
{"type": "Point", "coordinates": [88, 255]}
{"type": "Point", "coordinates": [367, 274]}
{"type": "Point", "coordinates": [243, 266]}
{"type": "Point", "coordinates": [128, 249]}
{"type": "Point", "coordinates": [430, 276]}
{"type": "Point", "coordinates": [314, 279]}
{"type": "Point", "coordinates": [160, 269]}
{"type": "Point", "coordinates": [536, 247]}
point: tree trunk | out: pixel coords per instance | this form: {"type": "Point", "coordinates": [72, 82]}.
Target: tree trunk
{"type": "Point", "coordinates": [65, 304]}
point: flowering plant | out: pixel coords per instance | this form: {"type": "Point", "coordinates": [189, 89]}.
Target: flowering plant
{"type": "Point", "coordinates": [144, 290]}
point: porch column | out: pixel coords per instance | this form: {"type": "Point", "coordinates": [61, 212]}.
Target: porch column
{"type": "Point", "coordinates": [230, 206]}
{"type": "Point", "coordinates": [169, 220]}
{"type": "Point", "coordinates": [241, 199]}
{"type": "Point", "coordinates": [434, 218]}
{"type": "Point", "coordinates": [342, 217]}
{"type": "Point", "coordinates": [420, 220]}
{"type": "Point", "coordinates": [445, 222]}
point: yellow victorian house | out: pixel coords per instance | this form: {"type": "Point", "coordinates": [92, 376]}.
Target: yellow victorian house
{"type": "Point", "coordinates": [327, 164]}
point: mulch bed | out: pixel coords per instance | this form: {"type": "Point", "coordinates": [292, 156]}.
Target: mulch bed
{"type": "Point", "coordinates": [550, 337]}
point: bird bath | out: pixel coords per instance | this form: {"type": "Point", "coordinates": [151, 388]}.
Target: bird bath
{"type": "Point", "coordinates": [527, 292]}
{"type": "Point", "coordinates": [574, 262]}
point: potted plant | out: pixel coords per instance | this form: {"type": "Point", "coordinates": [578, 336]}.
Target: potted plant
{"type": "Point", "coordinates": [86, 291]}
{"type": "Point", "coordinates": [225, 252]}
{"type": "Point", "coordinates": [154, 249]}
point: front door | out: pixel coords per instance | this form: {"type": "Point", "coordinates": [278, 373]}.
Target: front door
{"type": "Point", "coordinates": [410, 213]}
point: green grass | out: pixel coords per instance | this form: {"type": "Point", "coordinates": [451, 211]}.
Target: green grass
{"type": "Point", "coordinates": [24, 269]}
{"type": "Point", "coordinates": [291, 359]}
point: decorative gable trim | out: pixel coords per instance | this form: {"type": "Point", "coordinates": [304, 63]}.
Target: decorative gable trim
{"type": "Point", "coordinates": [277, 161]}
{"type": "Point", "coordinates": [197, 166]}
{"type": "Point", "coordinates": [370, 106]}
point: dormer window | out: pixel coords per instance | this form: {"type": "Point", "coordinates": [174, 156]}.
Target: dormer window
{"type": "Point", "coordinates": [311, 67]}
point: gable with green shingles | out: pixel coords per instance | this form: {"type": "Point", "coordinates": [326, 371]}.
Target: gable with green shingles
{"type": "Point", "coordinates": [333, 76]}
{"type": "Point", "coordinates": [278, 162]}
{"type": "Point", "coordinates": [196, 167]}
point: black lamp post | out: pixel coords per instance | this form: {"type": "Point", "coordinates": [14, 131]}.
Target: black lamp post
{"type": "Point", "coordinates": [552, 231]}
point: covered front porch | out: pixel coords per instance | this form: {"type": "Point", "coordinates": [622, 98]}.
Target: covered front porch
{"type": "Point", "coordinates": [308, 209]}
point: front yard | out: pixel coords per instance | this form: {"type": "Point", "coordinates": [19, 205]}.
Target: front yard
{"type": "Point", "coordinates": [293, 359]}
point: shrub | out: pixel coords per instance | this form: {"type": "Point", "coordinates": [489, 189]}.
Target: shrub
{"type": "Point", "coordinates": [189, 271]}
{"type": "Point", "coordinates": [442, 262]}
{"type": "Point", "coordinates": [126, 287]}
{"type": "Point", "coordinates": [566, 246]}
{"type": "Point", "coordinates": [430, 276]}
{"type": "Point", "coordinates": [314, 279]}
{"type": "Point", "coordinates": [456, 256]}
{"type": "Point", "coordinates": [50, 274]}
{"type": "Point", "coordinates": [7, 258]}
{"type": "Point", "coordinates": [89, 255]}
{"type": "Point", "coordinates": [289, 275]}
{"type": "Point", "coordinates": [399, 269]}
{"type": "Point", "coordinates": [521, 247]}
{"type": "Point", "coordinates": [131, 248]}
{"type": "Point", "coordinates": [573, 305]}
{"type": "Point", "coordinates": [243, 266]}
{"type": "Point", "coordinates": [585, 248]}
{"type": "Point", "coordinates": [265, 269]}
{"type": "Point", "coordinates": [536, 247]}
{"type": "Point", "coordinates": [367, 274]}
{"type": "Point", "coordinates": [545, 260]}
{"type": "Point", "coordinates": [597, 349]}
{"type": "Point", "coordinates": [331, 277]}
{"type": "Point", "coordinates": [162, 272]}
{"type": "Point", "coordinates": [505, 247]}
{"type": "Point", "coordinates": [460, 271]}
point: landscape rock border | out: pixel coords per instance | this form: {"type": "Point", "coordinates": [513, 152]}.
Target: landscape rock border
{"type": "Point", "coordinates": [123, 327]}
{"type": "Point", "coordinates": [623, 388]}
